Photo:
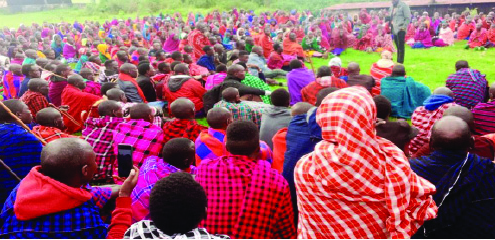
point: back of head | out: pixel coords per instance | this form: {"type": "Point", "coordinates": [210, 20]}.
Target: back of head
{"type": "Point", "coordinates": [218, 118]}
{"type": "Point", "coordinates": [232, 70]}
{"type": "Point", "coordinates": [114, 94]}
{"type": "Point", "coordinates": [242, 138]}
{"type": "Point", "coordinates": [26, 68]}
{"type": "Point", "coordinates": [181, 69]}
{"type": "Point", "coordinates": [230, 94]}
{"type": "Point", "coordinates": [462, 113]}
{"type": "Point", "coordinates": [105, 87]}
{"type": "Point", "coordinates": [60, 69]}
{"type": "Point", "coordinates": [383, 107]}
{"type": "Point", "coordinates": [324, 71]}
{"type": "Point", "coordinates": [182, 109]}
{"type": "Point", "coordinates": [47, 117]}
{"type": "Point", "coordinates": [443, 91]}
{"type": "Point", "coordinates": [109, 63]}
{"type": "Point", "coordinates": [179, 152]}
{"type": "Point", "coordinates": [300, 108]}
{"type": "Point", "coordinates": [35, 83]}
{"type": "Point", "coordinates": [15, 106]}
{"type": "Point", "coordinates": [280, 98]}
{"type": "Point", "coordinates": [143, 68]}
{"type": "Point", "coordinates": [353, 68]}
{"type": "Point", "coordinates": [461, 64]}
{"type": "Point", "coordinates": [140, 111]}
{"type": "Point", "coordinates": [398, 71]}
{"type": "Point", "coordinates": [451, 133]}
{"type": "Point", "coordinates": [64, 159]}
{"type": "Point", "coordinates": [221, 68]}
{"type": "Point", "coordinates": [324, 93]}
{"type": "Point", "coordinates": [108, 108]}
{"type": "Point", "coordinates": [295, 64]}
{"type": "Point", "coordinates": [174, 210]}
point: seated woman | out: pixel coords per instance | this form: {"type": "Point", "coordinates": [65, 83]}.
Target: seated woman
{"type": "Point", "coordinates": [382, 68]}
{"type": "Point", "coordinates": [277, 60]}
{"type": "Point", "coordinates": [422, 38]}
{"type": "Point", "coordinates": [478, 38]}
{"type": "Point", "coordinates": [445, 36]}
{"type": "Point", "coordinates": [340, 40]}
{"type": "Point", "coordinates": [365, 39]}
{"type": "Point", "coordinates": [411, 31]}
{"type": "Point", "coordinates": [310, 43]}
{"type": "Point", "coordinates": [337, 70]}
{"type": "Point", "coordinates": [491, 36]}
{"type": "Point", "coordinates": [383, 41]}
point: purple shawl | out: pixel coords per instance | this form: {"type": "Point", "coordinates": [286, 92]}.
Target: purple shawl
{"type": "Point", "coordinates": [55, 92]}
{"type": "Point", "coordinates": [424, 37]}
{"type": "Point", "coordinates": [171, 44]}
{"type": "Point", "coordinates": [69, 51]}
{"type": "Point", "coordinates": [297, 79]}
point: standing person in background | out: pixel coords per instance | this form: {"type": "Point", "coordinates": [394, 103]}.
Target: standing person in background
{"type": "Point", "coordinates": [401, 16]}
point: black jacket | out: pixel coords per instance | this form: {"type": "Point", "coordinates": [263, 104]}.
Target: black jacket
{"type": "Point", "coordinates": [147, 87]}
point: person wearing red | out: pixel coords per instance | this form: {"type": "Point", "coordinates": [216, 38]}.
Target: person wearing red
{"type": "Point", "coordinates": [35, 98]}
{"type": "Point", "coordinates": [198, 40]}
{"type": "Point", "coordinates": [324, 79]}
{"type": "Point", "coordinates": [127, 83]}
{"type": "Point", "coordinates": [183, 85]}
{"type": "Point", "coordinates": [266, 42]}
{"type": "Point", "coordinates": [291, 47]}
{"type": "Point", "coordinates": [77, 101]}
{"type": "Point", "coordinates": [50, 125]}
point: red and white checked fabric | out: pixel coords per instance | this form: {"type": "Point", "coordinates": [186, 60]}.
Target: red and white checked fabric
{"type": "Point", "coordinates": [246, 199]}
{"type": "Point", "coordinates": [356, 184]}
{"type": "Point", "coordinates": [197, 40]}
{"type": "Point", "coordinates": [378, 73]}
{"type": "Point", "coordinates": [423, 120]}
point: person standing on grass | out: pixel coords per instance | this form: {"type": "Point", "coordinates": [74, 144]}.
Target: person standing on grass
{"type": "Point", "coordinates": [401, 16]}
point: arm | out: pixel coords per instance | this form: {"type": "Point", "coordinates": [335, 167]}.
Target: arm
{"type": "Point", "coordinates": [285, 214]}
{"type": "Point", "coordinates": [407, 15]}
{"type": "Point", "coordinates": [243, 90]}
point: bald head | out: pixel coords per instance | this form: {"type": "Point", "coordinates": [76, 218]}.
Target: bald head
{"type": "Point", "coordinates": [231, 95]}
{"type": "Point", "coordinates": [443, 91]}
{"type": "Point", "coordinates": [398, 71]}
{"type": "Point", "coordinates": [18, 108]}
{"type": "Point", "coordinates": [462, 113]}
{"type": "Point", "coordinates": [115, 94]}
{"type": "Point", "coordinates": [461, 64]}
{"type": "Point", "coordinates": [110, 108]}
{"type": "Point", "coordinates": [129, 69]}
{"type": "Point", "coordinates": [353, 68]}
{"type": "Point", "coordinates": [451, 133]}
{"type": "Point", "coordinates": [49, 117]}
{"type": "Point", "coordinates": [76, 81]}
{"type": "Point", "coordinates": [181, 69]}
{"type": "Point", "coordinates": [141, 111]}
{"type": "Point", "coordinates": [69, 160]}
{"type": "Point", "coordinates": [219, 118]}
{"type": "Point", "coordinates": [232, 70]}
{"type": "Point", "coordinates": [300, 108]}
{"type": "Point", "coordinates": [182, 109]}
{"type": "Point", "coordinates": [38, 85]}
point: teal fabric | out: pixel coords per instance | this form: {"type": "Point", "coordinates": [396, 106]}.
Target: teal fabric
{"type": "Point", "coordinates": [405, 95]}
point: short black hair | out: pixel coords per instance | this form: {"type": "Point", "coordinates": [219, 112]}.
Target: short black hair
{"type": "Point", "coordinates": [143, 68]}
{"type": "Point", "coordinates": [276, 46]}
{"type": "Point", "coordinates": [60, 68]}
{"type": "Point", "coordinates": [383, 106]}
{"type": "Point", "coordinates": [242, 138]}
{"type": "Point", "coordinates": [142, 58]}
{"type": "Point", "coordinates": [107, 107]}
{"type": "Point", "coordinates": [177, 203]}
{"type": "Point", "coordinates": [109, 63]}
{"type": "Point", "coordinates": [173, 64]}
{"type": "Point", "coordinates": [14, 105]}
{"type": "Point", "coordinates": [244, 65]}
{"type": "Point", "coordinates": [177, 152]}
{"type": "Point", "coordinates": [324, 71]}
{"type": "Point", "coordinates": [323, 93]}
{"type": "Point", "coordinates": [280, 98]}
{"type": "Point", "coordinates": [107, 86]}
{"type": "Point", "coordinates": [206, 48]}
{"type": "Point", "coordinates": [26, 68]}
{"type": "Point", "coordinates": [295, 64]}
{"type": "Point", "coordinates": [461, 64]}
{"type": "Point", "coordinates": [243, 53]}
{"type": "Point", "coordinates": [176, 55]}
{"type": "Point", "coordinates": [221, 68]}
{"type": "Point", "coordinates": [162, 65]}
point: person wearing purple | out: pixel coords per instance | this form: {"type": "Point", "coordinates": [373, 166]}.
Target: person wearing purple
{"type": "Point", "coordinates": [172, 43]}
{"type": "Point", "coordinates": [297, 79]}
{"type": "Point", "coordinates": [422, 38]}
{"type": "Point", "coordinates": [69, 51]}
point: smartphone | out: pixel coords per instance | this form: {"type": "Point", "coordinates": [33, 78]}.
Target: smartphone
{"type": "Point", "coordinates": [124, 159]}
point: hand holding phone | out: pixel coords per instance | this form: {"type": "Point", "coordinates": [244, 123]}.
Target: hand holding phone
{"type": "Point", "coordinates": [124, 159]}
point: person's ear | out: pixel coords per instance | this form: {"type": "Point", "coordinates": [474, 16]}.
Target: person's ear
{"type": "Point", "coordinates": [471, 143]}
{"type": "Point", "coordinates": [85, 171]}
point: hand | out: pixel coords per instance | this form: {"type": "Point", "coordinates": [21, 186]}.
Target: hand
{"type": "Point", "coordinates": [129, 183]}
{"type": "Point", "coordinates": [268, 93]}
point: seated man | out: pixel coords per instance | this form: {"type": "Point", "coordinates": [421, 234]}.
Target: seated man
{"type": "Point", "coordinates": [478, 38]}
{"type": "Point", "coordinates": [277, 60]}
{"type": "Point", "coordinates": [210, 143]}
{"type": "Point", "coordinates": [58, 82]}
{"type": "Point", "coordinates": [35, 96]}
{"type": "Point", "coordinates": [356, 79]}
{"type": "Point", "coordinates": [146, 71]}
{"type": "Point", "coordinates": [183, 85]}
{"type": "Point", "coordinates": [255, 82]}
{"type": "Point", "coordinates": [20, 149]}
{"type": "Point", "coordinates": [12, 80]}
{"type": "Point", "coordinates": [484, 115]}
{"type": "Point", "coordinates": [298, 78]}
{"type": "Point", "coordinates": [231, 100]}
{"type": "Point", "coordinates": [196, 71]}
{"type": "Point", "coordinates": [110, 73]}
{"type": "Point", "coordinates": [292, 48]}
{"type": "Point", "coordinates": [215, 79]}
{"type": "Point", "coordinates": [50, 125]}
{"type": "Point", "coordinates": [276, 116]}
{"type": "Point", "coordinates": [183, 125]}
{"type": "Point", "coordinates": [464, 182]}
{"type": "Point", "coordinates": [257, 205]}
{"type": "Point", "coordinates": [208, 60]}
{"type": "Point", "coordinates": [399, 132]}
{"type": "Point", "coordinates": [127, 83]}
{"type": "Point", "coordinates": [30, 71]}
{"type": "Point", "coordinates": [469, 85]}
{"type": "Point", "coordinates": [174, 213]}
{"type": "Point", "coordinates": [78, 101]}
{"type": "Point", "coordinates": [256, 58]}
{"type": "Point", "coordinates": [422, 38]}
{"type": "Point", "coordinates": [99, 134]}
{"type": "Point", "coordinates": [145, 138]}
{"type": "Point", "coordinates": [403, 92]}
{"type": "Point", "coordinates": [54, 200]}
{"type": "Point", "coordinates": [177, 156]}
{"type": "Point", "coordinates": [425, 116]}
{"type": "Point", "coordinates": [323, 80]}
{"type": "Point", "coordinates": [91, 86]}
{"type": "Point", "coordinates": [162, 76]}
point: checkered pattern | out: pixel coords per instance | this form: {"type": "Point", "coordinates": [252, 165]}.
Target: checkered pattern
{"type": "Point", "coordinates": [469, 87]}
{"type": "Point", "coordinates": [182, 128]}
{"type": "Point", "coordinates": [145, 138]}
{"type": "Point", "coordinates": [246, 199]}
{"type": "Point", "coordinates": [50, 133]}
{"type": "Point", "coordinates": [355, 184]}
{"type": "Point", "coordinates": [256, 82]}
{"type": "Point", "coordinates": [484, 118]}
{"type": "Point", "coordinates": [242, 111]}
{"type": "Point", "coordinates": [423, 120]}
{"type": "Point", "coordinates": [309, 92]}
{"type": "Point", "coordinates": [35, 101]}
{"type": "Point", "coordinates": [83, 222]}
{"type": "Point", "coordinates": [93, 88]}
{"type": "Point", "coordinates": [152, 170]}
{"type": "Point", "coordinates": [99, 133]}
{"type": "Point", "coordinates": [146, 229]}
{"type": "Point", "coordinates": [378, 73]}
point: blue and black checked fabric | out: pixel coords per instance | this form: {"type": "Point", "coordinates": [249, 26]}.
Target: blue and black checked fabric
{"type": "Point", "coordinates": [21, 151]}
{"type": "Point", "coordinates": [80, 222]}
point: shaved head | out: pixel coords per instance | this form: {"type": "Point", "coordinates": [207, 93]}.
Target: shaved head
{"type": "Point", "coordinates": [182, 108]}
{"type": "Point", "coordinates": [443, 91]}
{"type": "Point", "coordinates": [110, 108]}
{"type": "Point", "coordinates": [181, 69]}
{"type": "Point", "coordinates": [323, 93]}
{"type": "Point", "coordinates": [462, 113]}
{"type": "Point", "coordinates": [219, 118]}
{"type": "Point", "coordinates": [129, 69]}
{"type": "Point", "coordinates": [38, 85]}
{"type": "Point", "coordinates": [48, 117]}
{"type": "Point", "coordinates": [69, 160]}
{"type": "Point", "coordinates": [398, 71]}
{"type": "Point", "coordinates": [141, 111]}
{"type": "Point", "coordinates": [451, 133]}
{"type": "Point", "coordinates": [18, 108]}
{"type": "Point", "coordinates": [231, 95]}
{"type": "Point", "coordinates": [353, 68]}
{"type": "Point", "coordinates": [300, 108]}
{"type": "Point", "coordinates": [76, 81]}
{"type": "Point", "coordinates": [492, 91]}
{"type": "Point", "coordinates": [232, 70]}
{"type": "Point", "coordinates": [461, 64]}
{"type": "Point", "coordinates": [115, 94]}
